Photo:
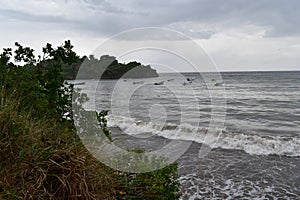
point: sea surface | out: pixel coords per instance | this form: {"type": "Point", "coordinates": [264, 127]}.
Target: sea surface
{"type": "Point", "coordinates": [249, 120]}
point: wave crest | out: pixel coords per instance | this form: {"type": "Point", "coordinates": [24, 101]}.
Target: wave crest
{"type": "Point", "coordinates": [251, 143]}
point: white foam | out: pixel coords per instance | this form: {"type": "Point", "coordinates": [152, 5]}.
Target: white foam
{"type": "Point", "coordinates": [195, 187]}
{"type": "Point", "coordinates": [250, 143]}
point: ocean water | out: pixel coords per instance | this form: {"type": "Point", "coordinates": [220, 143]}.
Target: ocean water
{"type": "Point", "coordinates": [255, 148]}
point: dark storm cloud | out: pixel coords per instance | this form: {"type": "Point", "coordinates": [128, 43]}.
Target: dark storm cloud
{"type": "Point", "coordinates": [280, 17]}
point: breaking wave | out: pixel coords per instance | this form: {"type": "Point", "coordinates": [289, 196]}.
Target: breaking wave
{"type": "Point", "coordinates": [251, 143]}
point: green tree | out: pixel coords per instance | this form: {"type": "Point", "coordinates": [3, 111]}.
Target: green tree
{"type": "Point", "coordinates": [38, 150]}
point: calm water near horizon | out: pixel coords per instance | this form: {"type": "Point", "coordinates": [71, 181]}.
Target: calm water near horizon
{"type": "Point", "coordinates": [257, 154]}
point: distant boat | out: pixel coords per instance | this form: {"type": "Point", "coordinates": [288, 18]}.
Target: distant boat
{"type": "Point", "coordinates": [172, 79]}
{"type": "Point", "coordinates": [191, 79]}
{"type": "Point", "coordinates": [138, 82]}
{"type": "Point", "coordinates": [76, 83]}
{"type": "Point", "coordinates": [186, 83]}
{"type": "Point", "coordinates": [219, 84]}
{"type": "Point", "coordinates": [159, 83]}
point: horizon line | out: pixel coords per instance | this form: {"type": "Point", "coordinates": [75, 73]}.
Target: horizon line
{"type": "Point", "coordinates": [231, 71]}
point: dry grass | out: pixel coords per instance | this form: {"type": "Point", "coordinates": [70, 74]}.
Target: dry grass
{"type": "Point", "coordinates": [41, 159]}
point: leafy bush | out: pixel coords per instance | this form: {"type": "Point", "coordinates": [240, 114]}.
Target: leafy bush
{"type": "Point", "coordinates": [42, 159]}
{"type": "Point", "coordinates": [159, 184]}
{"type": "Point", "coordinates": [41, 156]}
{"type": "Point", "coordinates": [101, 117]}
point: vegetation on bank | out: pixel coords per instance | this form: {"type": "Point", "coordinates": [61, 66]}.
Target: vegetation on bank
{"type": "Point", "coordinates": [41, 156]}
{"type": "Point", "coordinates": [107, 67]}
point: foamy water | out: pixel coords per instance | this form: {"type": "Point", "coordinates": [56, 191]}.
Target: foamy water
{"type": "Point", "coordinates": [252, 143]}
{"type": "Point", "coordinates": [255, 142]}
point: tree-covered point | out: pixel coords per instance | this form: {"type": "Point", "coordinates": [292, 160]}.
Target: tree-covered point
{"type": "Point", "coordinates": [107, 67]}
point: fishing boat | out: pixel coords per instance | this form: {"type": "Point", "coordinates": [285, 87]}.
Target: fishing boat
{"type": "Point", "coordinates": [219, 84]}
{"type": "Point", "coordinates": [76, 83]}
{"type": "Point", "coordinates": [138, 82]}
{"type": "Point", "coordinates": [186, 83]}
{"type": "Point", "coordinates": [159, 83]}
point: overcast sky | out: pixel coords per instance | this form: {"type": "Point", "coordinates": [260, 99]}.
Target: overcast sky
{"type": "Point", "coordinates": [236, 34]}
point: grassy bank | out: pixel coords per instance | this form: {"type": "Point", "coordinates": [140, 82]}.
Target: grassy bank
{"type": "Point", "coordinates": [41, 156]}
{"type": "Point", "coordinates": [44, 159]}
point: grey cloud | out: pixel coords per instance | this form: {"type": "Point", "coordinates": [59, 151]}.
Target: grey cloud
{"type": "Point", "coordinates": [25, 16]}
{"type": "Point", "coordinates": [110, 17]}
{"type": "Point", "coordinates": [105, 6]}
{"type": "Point", "coordinates": [281, 17]}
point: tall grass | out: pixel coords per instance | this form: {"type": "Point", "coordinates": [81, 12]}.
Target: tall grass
{"type": "Point", "coordinates": [41, 159]}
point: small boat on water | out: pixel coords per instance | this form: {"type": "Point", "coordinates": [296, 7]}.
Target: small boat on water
{"type": "Point", "coordinates": [219, 84]}
{"type": "Point", "coordinates": [76, 83]}
{"type": "Point", "coordinates": [190, 79]}
{"type": "Point", "coordinates": [138, 82]}
{"type": "Point", "coordinates": [216, 83]}
{"type": "Point", "coordinates": [159, 83]}
{"type": "Point", "coordinates": [172, 79]}
{"type": "Point", "coordinates": [187, 83]}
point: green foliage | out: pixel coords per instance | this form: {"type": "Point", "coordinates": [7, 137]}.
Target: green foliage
{"type": "Point", "coordinates": [63, 54]}
{"type": "Point", "coordinates": [41, 160]}
{"type": "Point", "coordinates": [40, 82]}
{"type": "Point", "coordinates": [24, 54]}
{"type": "Point", "coordinates": [101, 117]}
{"type": "Point", "coordinates": [4, 70]}
{"type": "Point", "coordinates": [159, 184]}
{"type": "Point", "coordinates": [40, 154]}
{"type": "Point", "coordinates": [107, 67]}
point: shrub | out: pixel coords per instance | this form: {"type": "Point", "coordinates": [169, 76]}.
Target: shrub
{"type": "Point", "coordinates": [43, 159]}
{"type": "Point", "coordinates": [41, 156]}
{"type": "Point", "coordinates": [160, 184]}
